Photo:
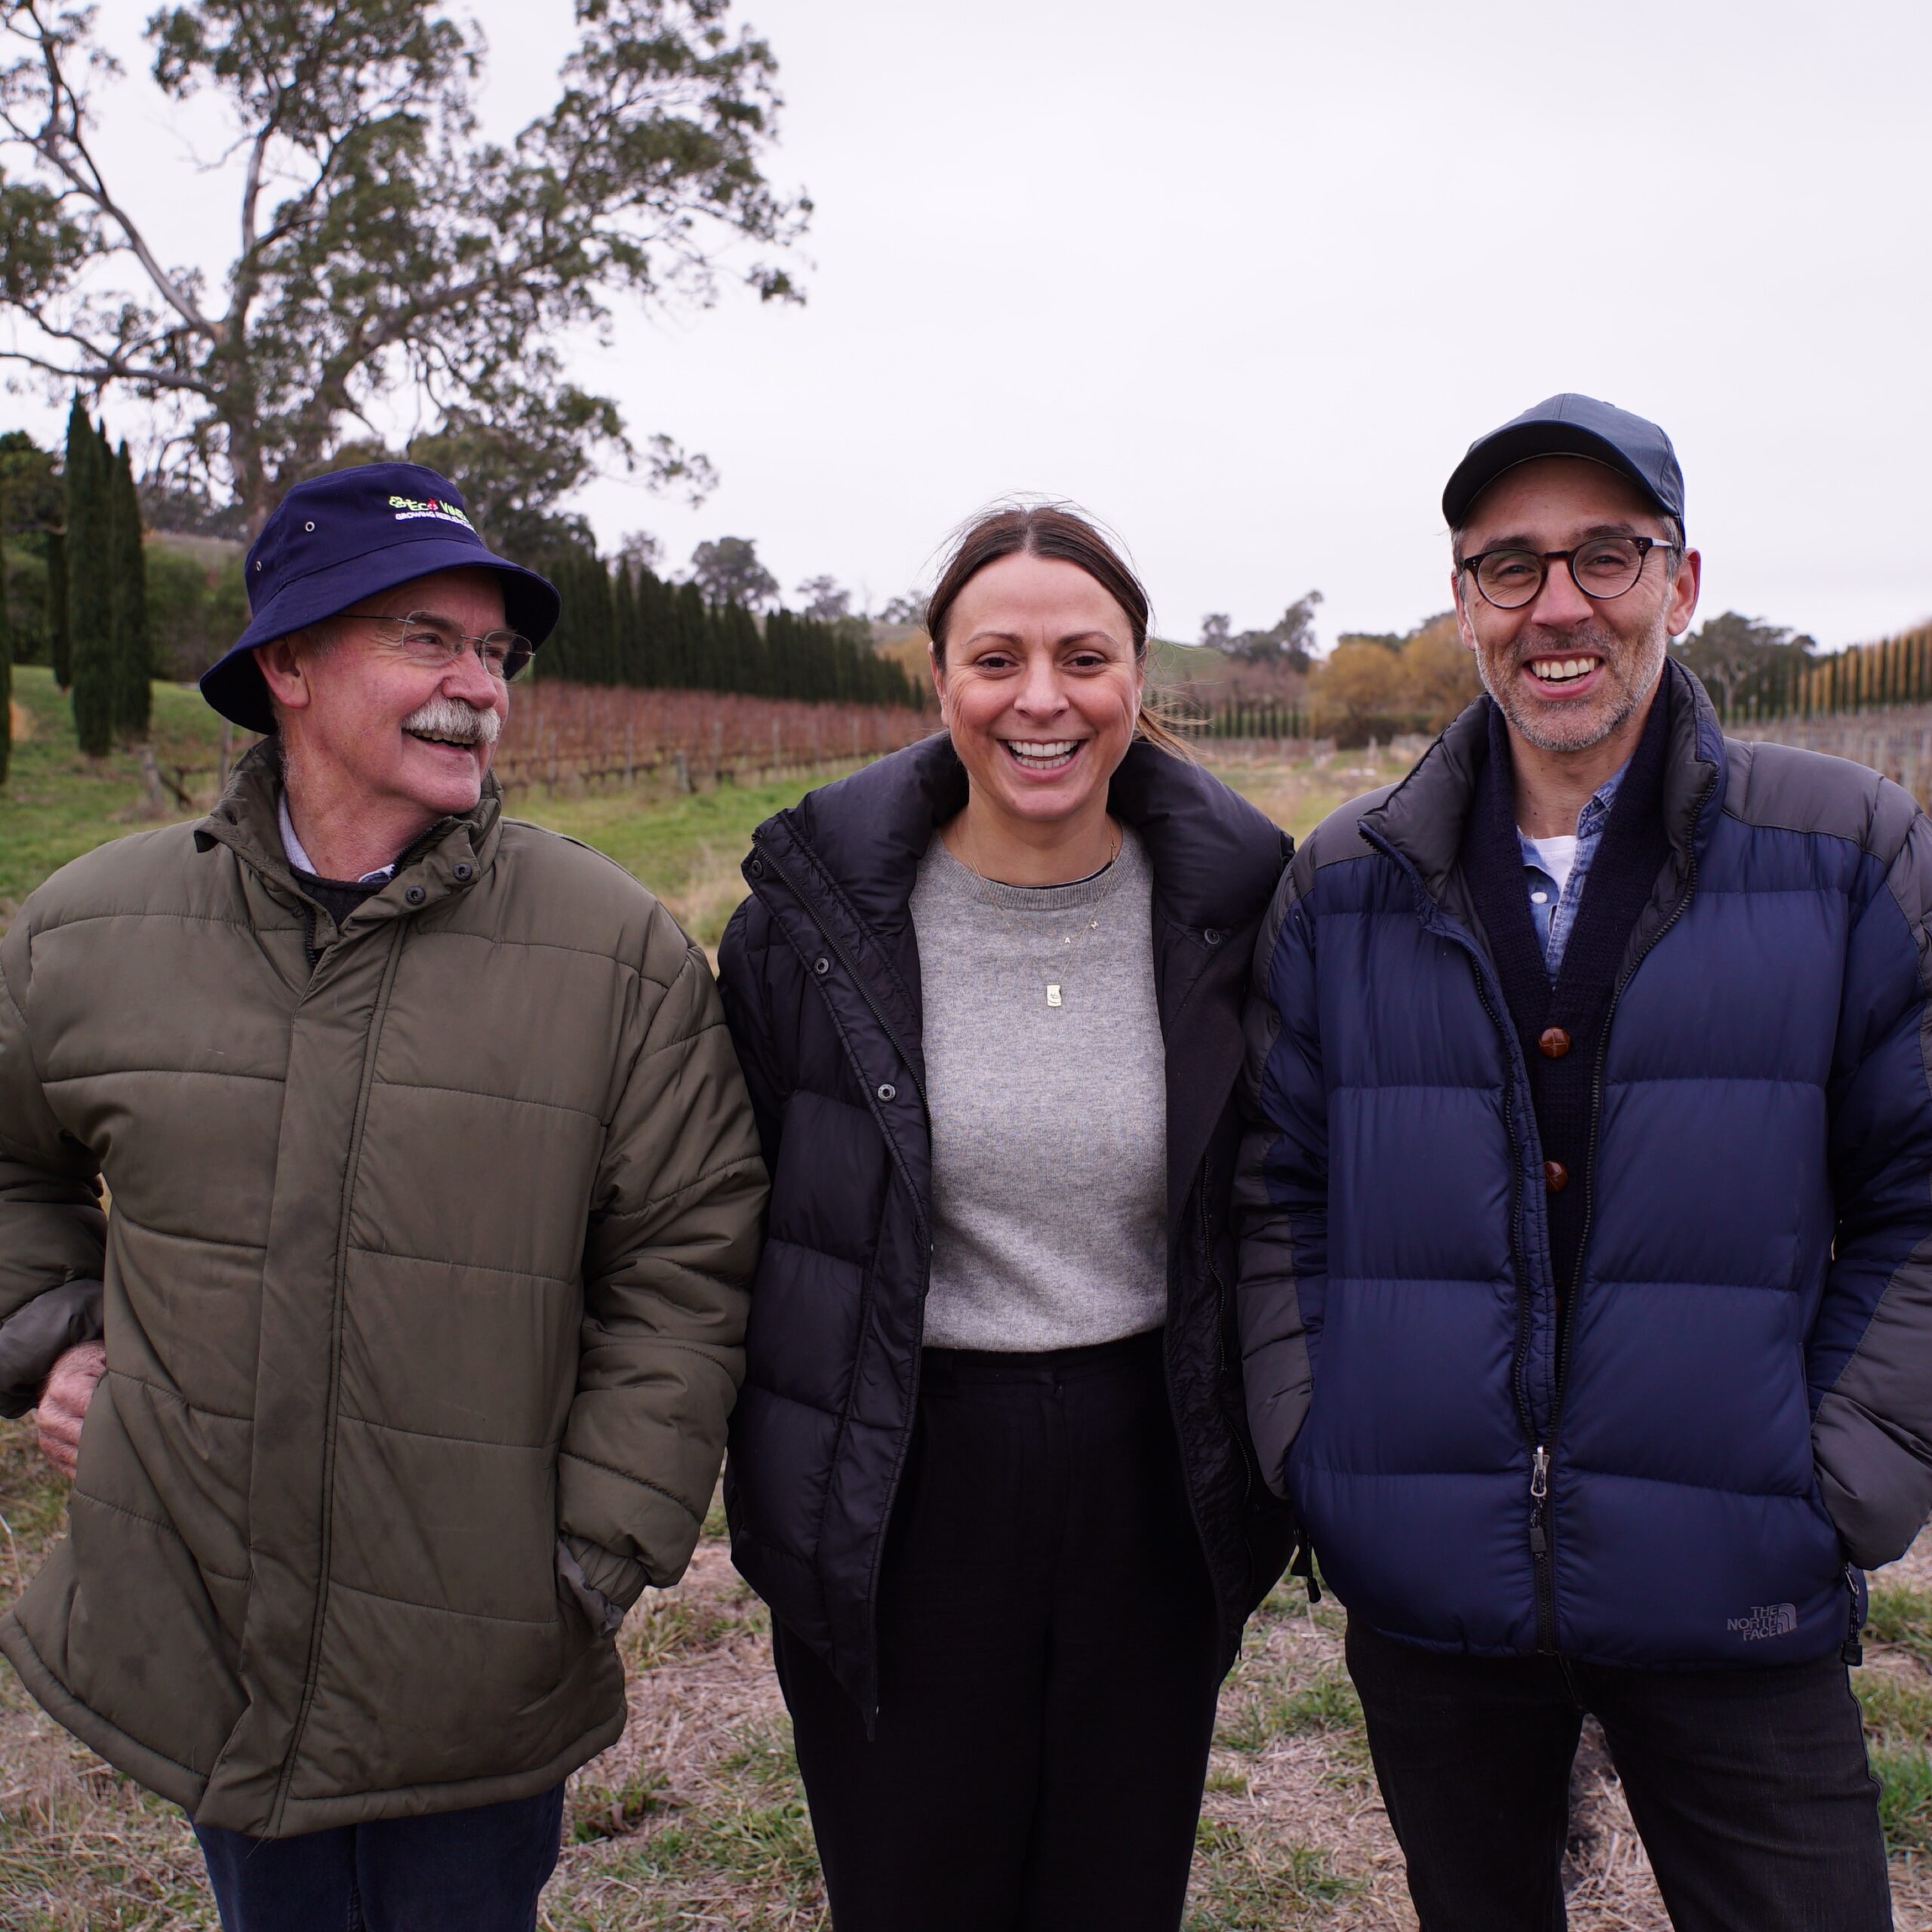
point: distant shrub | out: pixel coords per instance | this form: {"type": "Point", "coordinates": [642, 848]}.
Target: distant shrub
{"type": "Point", "coordinates": [1374, 686]}
{"type": "Point", "coordinates": [196, 606]}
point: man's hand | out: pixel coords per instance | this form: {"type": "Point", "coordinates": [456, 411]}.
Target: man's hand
{"type": "Point", "coordinates": [64, 1397]}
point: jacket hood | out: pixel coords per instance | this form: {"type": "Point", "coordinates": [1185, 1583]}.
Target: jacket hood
{"type": "Point", "coordinates": [1216, 858]}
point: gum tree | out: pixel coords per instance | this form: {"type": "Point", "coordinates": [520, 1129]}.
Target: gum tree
{"type": "Point", "coordinates": [386, 254]}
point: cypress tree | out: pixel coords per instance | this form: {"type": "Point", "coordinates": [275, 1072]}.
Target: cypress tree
{"type": "Point", "coordinates": [59, 642]}
{"type": "Point", "coordinates": [623, 624]}
{"type": "Point", "coordinates": [690, 636]}
{"type": "Point", "coordinates": [133, 674]}
{"type": "Point", "coordinates": [60, 646]}
{"type": "Point", "coordinates": [655, 615]}
{"type": "Point", "coordinates": [781, 654]}
{"type": "Point", "coordinates": [6, 676]}
{"type": "Point", "coordinates": [741, 650]}
{"type": "Point", "coordinates": [89, 601]}
{"type": "Point", "coordinates": [596, 590]}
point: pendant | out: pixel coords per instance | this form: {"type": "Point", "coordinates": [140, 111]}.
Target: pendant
{"type": "Point", "coordinates": [1053, 992]}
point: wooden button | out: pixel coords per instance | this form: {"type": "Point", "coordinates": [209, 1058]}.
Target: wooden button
{"type": "Point", "coordinates": [1552, 1043]}
{"type": "Point", "coordinates": [1556, 1176]}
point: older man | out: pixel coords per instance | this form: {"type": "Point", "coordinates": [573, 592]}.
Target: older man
{"type": "Point", "coordinates": [1586, 1300]}
{"type": "Point", "coordinates": [435, 1196]}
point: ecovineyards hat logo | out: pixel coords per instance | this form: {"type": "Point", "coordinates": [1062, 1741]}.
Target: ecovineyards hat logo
{"type": "Point", "coordinates": [408, 508]}
{"type": "Point", "coordinates": [1766, 1619]}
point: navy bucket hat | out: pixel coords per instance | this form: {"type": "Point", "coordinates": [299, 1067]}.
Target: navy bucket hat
{"type": "Point", "coordinates": [1570, 425]}
{"type": "Point", "coordinates": [353, 534]}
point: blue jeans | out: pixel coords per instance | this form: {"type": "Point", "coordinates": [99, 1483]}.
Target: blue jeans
{"type": "Point", "coordinates": [474, 1870]}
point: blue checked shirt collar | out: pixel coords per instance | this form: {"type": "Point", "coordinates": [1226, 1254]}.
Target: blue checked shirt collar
{"type": "Point", "coordinates": [1555, 913]}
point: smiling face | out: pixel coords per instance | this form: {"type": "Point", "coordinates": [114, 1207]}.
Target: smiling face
{"type": "Point", "coordinates": [378, 735]}
{"type": "Point", "coordinates": [1039, 686]}
{"type": "Point", "coordinates": [1568, 671]}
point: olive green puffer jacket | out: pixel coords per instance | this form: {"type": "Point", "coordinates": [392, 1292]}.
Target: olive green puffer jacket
{"type": "Point", "coordinates": [428, 1261]}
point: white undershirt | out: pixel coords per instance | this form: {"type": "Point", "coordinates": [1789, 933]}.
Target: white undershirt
{"type": "Point", "coordinates": [1557, 856]}
{"type": "Point", "coordinates": [292, 850]}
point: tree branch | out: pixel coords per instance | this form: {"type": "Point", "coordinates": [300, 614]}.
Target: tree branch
{"type": "Point", "coordinates": [110, 369]}
{"type": "Point", "coordinates": [63, 129]}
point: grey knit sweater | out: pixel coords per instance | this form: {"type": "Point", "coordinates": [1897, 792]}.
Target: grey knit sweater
{"type": "Point", "coordinates": [1049, 1123]}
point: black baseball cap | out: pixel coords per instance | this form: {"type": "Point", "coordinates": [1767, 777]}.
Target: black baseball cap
{"type": "Point", "coordinates": [337, 538]}
{"type": "Point", "coordinates": [1571, 424]}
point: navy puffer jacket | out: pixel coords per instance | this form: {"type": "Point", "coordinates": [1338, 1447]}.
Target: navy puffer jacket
{"type": "Point", "coordinates": [819, 971]}
{"type": "Point", "coordinates": [1739, 1416]}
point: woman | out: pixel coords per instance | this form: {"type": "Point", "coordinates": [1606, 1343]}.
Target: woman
{"type": "Point", "coordinates": [988, 1466]}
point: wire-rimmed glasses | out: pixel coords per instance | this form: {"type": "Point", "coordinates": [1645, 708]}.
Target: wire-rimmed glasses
{"type": "Point", "coordinates": [436, 643]}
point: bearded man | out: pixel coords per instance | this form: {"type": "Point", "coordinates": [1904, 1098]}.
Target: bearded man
{"type": "Point", "coordinates": [412, 1328]}
{"type": "Point", "coordinates": [1585, 1299]}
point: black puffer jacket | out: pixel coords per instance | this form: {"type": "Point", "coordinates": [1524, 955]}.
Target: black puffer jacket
{"type": "Point", "coordinates": [820, 975]}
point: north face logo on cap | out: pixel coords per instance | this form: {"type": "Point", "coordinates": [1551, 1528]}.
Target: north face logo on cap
{"type": "Point", "coordinates": [1766, 1619]}
{"type": "Point", "coordinates": [408, 508]}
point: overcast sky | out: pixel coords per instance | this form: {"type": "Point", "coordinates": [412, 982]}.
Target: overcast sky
{"type": "Point", "coordinates": [1245, 280]}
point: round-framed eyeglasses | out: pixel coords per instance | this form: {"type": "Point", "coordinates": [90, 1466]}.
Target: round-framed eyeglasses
{"type": "Point", "coordinates": [436, 643]}
{"type": "Point", "coordinates": [1605, 568]}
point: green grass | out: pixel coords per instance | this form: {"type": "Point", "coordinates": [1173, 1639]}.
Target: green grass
{"type": "Point", "coordinates": [686, 850]}
{"type": "Point", "coordinates": [1904, 1773]}
{"type": "Point", "coordinates": [1901, 1616]}
{"type": "Point", "coordinates": [1325, 1702]}
{"type": "Point", "coordinates": [1898, 1729]}
{"type": "Point", "coordinates": [757, 1839]}
{"type": "Point", "coordinates": [612, 1811]}
{"type": "Point", "coordinates": [1251, 1884]}
{"type": "Point", "coordinates": [57, 803]}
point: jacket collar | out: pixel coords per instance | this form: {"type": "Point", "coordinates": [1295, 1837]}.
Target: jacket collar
{"type": "Point", "coordinates": [1215, 858]}
{"type": "Point", "coordinates": [245, 819]}
{"type": "Point", "coordinates": [1422, 819]}
{"type": "Point", "coordinates": [851, 853]}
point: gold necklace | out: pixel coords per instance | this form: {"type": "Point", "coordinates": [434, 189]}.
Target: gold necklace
{"type": "Point", "coordinates": [1075, 940]}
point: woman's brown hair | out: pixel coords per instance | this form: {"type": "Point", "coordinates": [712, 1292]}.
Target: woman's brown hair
{"type": "Point", "coordinates": [1045, 530]}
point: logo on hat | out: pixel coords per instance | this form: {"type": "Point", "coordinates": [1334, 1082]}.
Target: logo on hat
{"type": "Point", "coordinates": [408, 508]}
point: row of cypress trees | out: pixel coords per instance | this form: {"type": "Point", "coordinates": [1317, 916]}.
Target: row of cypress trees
{"type": "Point", "coordinates": [629, 627]}
{"type": "Point", "coordinates": [6, 673]}
{"type": "Point", "coordinates": [105, 630]}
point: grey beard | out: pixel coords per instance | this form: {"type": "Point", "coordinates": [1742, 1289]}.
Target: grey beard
{"type": "Point", "coordinates": [1633, 670]}
{"type": "Point", "coordinates": [450, 718]}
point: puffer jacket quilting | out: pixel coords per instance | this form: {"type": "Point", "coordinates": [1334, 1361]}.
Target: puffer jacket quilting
{"type": "Point", "coordinates": [1743, 1415]}
{"type": "Point", "coordinates": [820, 977]}
{"type": "Point", "coordinates": [417, 1261]}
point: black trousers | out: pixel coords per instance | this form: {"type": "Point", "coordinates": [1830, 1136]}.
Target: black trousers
{"type": "Point", "coordinates": [1749, 1788]}
{"type": "Point", "coordinates": [1047, 1666]}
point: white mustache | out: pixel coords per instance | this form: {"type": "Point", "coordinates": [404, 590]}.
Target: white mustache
{"type": "Point", "coordinates": [450, 718]}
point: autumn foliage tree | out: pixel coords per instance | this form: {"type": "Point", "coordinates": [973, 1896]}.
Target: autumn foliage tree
{"type": "Point", "coordinates": [1382, 686]}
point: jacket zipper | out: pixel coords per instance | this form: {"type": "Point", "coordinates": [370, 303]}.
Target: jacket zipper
{"type": "Point", "coordinates": [870, 1710]}
{"type": "Point", "coordinates": [318, 1617]}
{"type": "Point", "coordinates": [846, 960]}
{"type": "Point", "coordinates": [1539, 1525]}
{"type": "Point", "coordinates": [1543, 1577]}
{"type": "Point", "coordinates": [1540, 1529]}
